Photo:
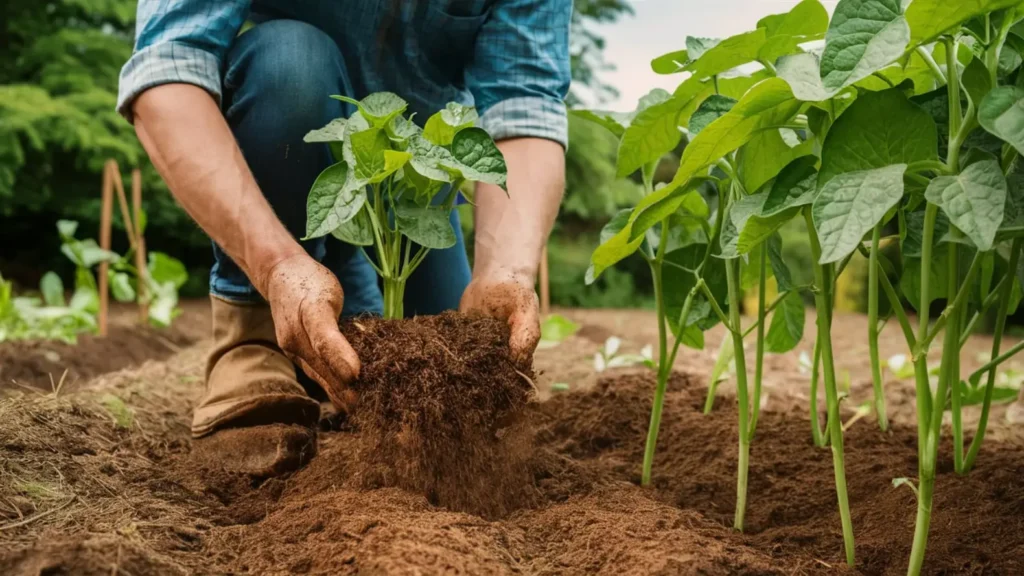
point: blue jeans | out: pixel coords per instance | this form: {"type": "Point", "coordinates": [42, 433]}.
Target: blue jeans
{"type": "Point", "coordinates": [277, 80]}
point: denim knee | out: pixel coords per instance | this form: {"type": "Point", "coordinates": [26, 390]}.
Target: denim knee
{"type": "Point", "coordinates": [290, 67]}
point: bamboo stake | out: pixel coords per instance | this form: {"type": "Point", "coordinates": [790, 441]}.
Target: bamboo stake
{"type": "Point", "coordinates": [140, 246]}
{"type": "Point", "coordinates": [105, 214]}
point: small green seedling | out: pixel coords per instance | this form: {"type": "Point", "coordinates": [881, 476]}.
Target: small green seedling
{"type": "Point", "coordinates": [555, 329]}
{"type": "Point", "coordinates": [394, 184]}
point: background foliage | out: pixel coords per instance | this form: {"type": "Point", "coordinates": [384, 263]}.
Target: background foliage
{"type": "Point", "coordinates": [59, 64]}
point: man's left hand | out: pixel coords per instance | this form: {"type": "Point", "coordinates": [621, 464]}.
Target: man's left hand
{"type": "Point", "coordinates": [508, 296]}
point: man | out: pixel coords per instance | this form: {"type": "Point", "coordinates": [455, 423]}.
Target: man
{"type": "Point", "coordinates": [222, 114]}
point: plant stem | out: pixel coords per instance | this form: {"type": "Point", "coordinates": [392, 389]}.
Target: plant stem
{"type": "Point", "coordinates": [896, 304]}
{"type": "Point", "coordinates": [1005, 292]}
{"type": "Point", "coordinates": [951, 357]}
{"type": "Point", "coordinates": [816, 432]}
{"type": "Point", "coordinates": [922, 387]}
{"type": "Point", "coordinates": [732, 279]}
{"type": "Point", "coordinates": [664, 369]}
{"type": "Point", "coordinates": [932, 64]}
{"type": "Point", "coordinates": [759, 357]}
{"type": "Point", "coordinates": [956, 117]}
{"type": "Point", "coordinates": [876, 364]}
{"type": "Point", "coordinates": [394, 297]}
{"type": "Point", "coordinates": [823, 301]}
{"type": "Point", "coordinates": [956, 303]}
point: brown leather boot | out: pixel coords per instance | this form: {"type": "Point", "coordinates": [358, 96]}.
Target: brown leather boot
{"type": "Point", "coordinates": [255, 416]}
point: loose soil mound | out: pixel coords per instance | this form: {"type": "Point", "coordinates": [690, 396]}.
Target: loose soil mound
{"type": "Point", "coordinates": [440, 407]}
{"type": "Point", "coordinates": [89, 496]}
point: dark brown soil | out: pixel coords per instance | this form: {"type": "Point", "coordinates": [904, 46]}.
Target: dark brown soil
{"type": "Point", "coordinates": [33, 363]}
{"type": "Point", "coordinates": [132, 500]}
{"type": "Point", "coordinates": [441, 406]}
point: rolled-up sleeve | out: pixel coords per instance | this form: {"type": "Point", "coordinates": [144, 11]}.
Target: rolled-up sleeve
{"type": "Point", "coordinates": [179, 41]}
{"type": "Point", "coordinates": [519, 73]}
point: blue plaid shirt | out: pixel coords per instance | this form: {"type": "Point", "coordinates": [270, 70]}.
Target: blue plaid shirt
{"type": "Point", "coordinates": [508, 57]}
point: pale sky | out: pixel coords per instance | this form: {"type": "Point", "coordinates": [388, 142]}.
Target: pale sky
{"type": "Point", "coordinates": [661, 26]}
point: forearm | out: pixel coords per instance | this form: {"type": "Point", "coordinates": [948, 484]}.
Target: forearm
{"type": "Point", "coordinates": [192, 147]}
{"type": "Point", "coordinates": [511, 231]}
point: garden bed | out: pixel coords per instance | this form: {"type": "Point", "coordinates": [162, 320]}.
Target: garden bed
{"type": "Point", "coordinates": [96, 493]}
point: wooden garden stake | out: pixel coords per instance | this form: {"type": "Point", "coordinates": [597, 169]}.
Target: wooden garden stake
{"type": "Point", "coordinates": [140, 245]}
{"type": "Point", "coordinates": [106, 208]}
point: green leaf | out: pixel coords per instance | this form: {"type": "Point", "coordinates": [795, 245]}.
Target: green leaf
{"type": "Point", "coordinates": [335, 198]}
{"type": "Point", "coordinates": [679, 271]}
{"type": "Point", "coordinates": [728, 54]}
{"type": "Point", "coordinates": [976, 81]}
{"type": "Point", "coordinates": [711, 109]}
{"type": "Point", "coordinates": [368, 147]}
{"type": "Point", "coordinates": [1002, 114]}
{"type": "Point", "coordinates": [652, 134]}
{"type": "Point", "coordinates": [67, 229]}
{"type": "Point", "coordinates": [864, 37]}
{"type": "Point", "coordinates": [913, 239]}
{"type": "Point", "coordinates": [163, 305]}
{"type": "Point", "coordinates": [121, 286]}
{"type": "Point", "coordinates": [164, 269]}
{"type": "Point", "coordinates": [696, 46]}
{"type": "Point", "coordinates": [851, 204]}
{"type": "Point", "coordinates": [666, 202]}
{"type": "Point", "coordinates": [615, 245]}
{"type": "Point", "coordinates": [334, 131]}
{"type": "Point", "coordinates": [52, 289]}
{"type": "Point", "coordinates": [442, 126]}
{"type": "Point", "coordinates": [393, 161]}
{"type": "Point", "coordinates": [803, 74]}
{"type": "Point", "coordinates": [767, 153]}
{"type": "Point", "coordinates": [930, 18]}
{"type": "Point", "coordinates": [765, 106]}
{"type": "Point", "coordinates": [735, 221]}
{"type": "Point", "coordinates": [975, 395]}
{"type": "Point", "coordinates": [358, 231]}
{"type": "Point", "coordinates": [880, 129]}
{"type": "Point", "coordinates": [806, 22]}
{"type": "Point", "coordinates": [759, 228]}
{"type": "Point", "coordinates": [379, 108]}
{"type": "Point", "coordinates": [477, 157]}
{"type": "Point", "coordinates": [401, 130]}
{"type": "Point", "coordinates": [670, 63]}
{"type": "Point", "coordinates": [87, 253]}
{"type": "Point", "coordinates": [555, 329]}
{"type": "Point", "coordinates": [427, 158]}
{"type": "Point", "coordinates": [973, 200]}
{"type": "Point", "coordinates": [787, 326]}
{"type": "Point", "coordinates": [910, 279]}
{"type": "Point", "coordinates": [779, 268]}
{"type": "Point", "coordinates": [796, 185]}
{"type": "Point", "coordinates": [427, 226]}
{"type": "Point", "coordinates": [614, 122]}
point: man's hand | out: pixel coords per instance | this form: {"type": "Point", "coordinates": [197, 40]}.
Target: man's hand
{"type": "Point", "coordinates": [508, 296]}
{"type": "Point", "coordinates": [511, 231]}
{"type": "Point", "coordinates": [305, 300]}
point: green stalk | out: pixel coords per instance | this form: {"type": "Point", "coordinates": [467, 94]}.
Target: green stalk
{"type": "Point", "coordinates": [664, 369]}
{"type": "Point", "coordinates": [922, 387]}
{"type": "Point", "coordinates": [394, 295]}
{"type": "Point", "coordinates": [1005, 291]}
{"type": "Point", "coordinates": [823, 302]}
{"type": "Point", "coordinates": [743, 461]}
{"type": "Point", "coordinates": [759, 358]}
{"type": "Point", "coordinates": [816, 433]}
{"type": "Point", "coordinates": [951, 358]}
{"type": "Point", "coordinates": [876, 363]}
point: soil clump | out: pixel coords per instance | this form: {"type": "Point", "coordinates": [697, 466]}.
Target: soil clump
{"type": "Point", "coordinates": [440, 411]}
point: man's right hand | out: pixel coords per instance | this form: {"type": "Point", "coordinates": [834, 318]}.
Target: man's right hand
{"type": "Point", "coordinates": [306, 299]}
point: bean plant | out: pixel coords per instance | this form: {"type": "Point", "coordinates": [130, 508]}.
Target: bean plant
{"type": "Point", "coordinates": [892, 130]}
{"type": "Point", "coordinates": [394, 184]}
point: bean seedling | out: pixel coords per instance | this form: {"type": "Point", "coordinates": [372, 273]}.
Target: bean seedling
{"type": "Point", "coordinates": [394, 184]}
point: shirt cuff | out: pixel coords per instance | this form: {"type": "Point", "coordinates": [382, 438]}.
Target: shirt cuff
{"type": "Point", "coordinates": [527, 117]}
{"type": "Point", "coordinates": [167, 63]}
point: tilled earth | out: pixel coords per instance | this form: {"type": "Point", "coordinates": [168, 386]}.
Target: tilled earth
{"type": "Point", "coordinates": [100, 481]}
